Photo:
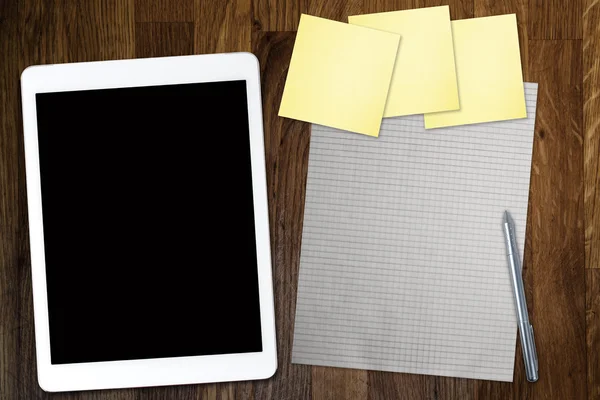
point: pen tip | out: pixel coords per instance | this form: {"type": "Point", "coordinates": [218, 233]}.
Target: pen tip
{"type": "Point", "coordinates": [506, 217]}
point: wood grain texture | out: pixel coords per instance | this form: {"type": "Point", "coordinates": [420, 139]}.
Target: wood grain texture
{"type": "Point", "coordinates": [334, 9]}
{"type": "Point", "coordinates": [557, 239]}
{"type": "Point", "coordinates": [286, 148]}
{"type": "Point", "coordinates": [15, 318]}
{"type": "Point", "coordinates": [217, 391]}
{"type": "Point", "coordinates": [340, 9]}
{"type": "Point", "coordinates": [374, 6]}
{"type": "Point", "coordinates": [223, 26]}
{"type": "Point", "coordinates": [592, 310]}
{"type": "Point", "coordinates": [36, 32]}
{"type": "Point", "coordinates": [555, 19]}
{"type": "Point", "coordinates": [453, 388]}
{"type": "Point", "coordinates": [591, 126]}
{"type": "Point", "coordinates": [278, 15]}
{"type": "Point", "coordinates": [338, 383]}
{"type": "Point", "coordinates": [563, 232]}
{"type": "Point", "coordinates": [61, 31]}
{"type": "Point", "coordinates": [388, 385]}
{"type": "Point", "coordinates": [164, 10]}
{"type": "Point", "coordinates": [158, 39]}
{"type": "Point", "coordinates": [104, 31]}
{"type": "Point", "coordinates": [591, 171]}
{"type": "Point", "coordinates": [459, 9]}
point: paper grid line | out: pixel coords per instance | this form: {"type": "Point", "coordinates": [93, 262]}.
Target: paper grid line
{"type": "Point", "coordinates": [403, 265]}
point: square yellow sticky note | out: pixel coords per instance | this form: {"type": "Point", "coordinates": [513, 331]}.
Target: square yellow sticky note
{"type": "Point", "coordinates": [488, 67]}
{"type": "Point", "coordinates": [339, 75]}
{"type": "Point", "coordinates": [424, 78]}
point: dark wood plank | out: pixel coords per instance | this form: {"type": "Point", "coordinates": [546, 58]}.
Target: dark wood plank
{"type": "Point", "coordinates": [376, 6]}
{"type": "Point", "coordinates": [213, 391]}
{"type": "Point", "coordinates": [35, 32]}
{"type": "Point", "coordinates": [557, 238]}
{"type": "Point", "coordinates": [16, 345]}
{"type": "Point", "coordinates": [339, 383]}
{"type": "Point", "coordinates": [286, 148]}
{"type": "Point", "coordinates": [164, 10]}
{"type": "Point", "coordinates": [592, 281]}
{"type": "Point", "coordinates": [244, 391]}
{"type": "Point", "coordinates": [223, 26]}
{"type": "Point", "coordinates": [334, 9]}
{"type": "Point", "coordinates": [44, 37]}
{"type": "Point", "coordinates": [62, 31]}
{"type": "Point", "coordinates": [389, 385]}
{"type": "Point", "coordinates": [340, 9]}
{"type": "Point", "coordinates": [591, 126]}
{"type": "Point", "coordinates": [453, 388]}
{"type": "Point", "coordinates": [160, 39]}
{"type": "Point", "coordinates": [555, 19]}
{"type": "Point", "coordinates": [104, 30]}
{"type": "Point", "coordinates": [494, 390]}
{"type": "Point", "coordinates": [591, 170]}
{"type": "Point", "coordinates": [459, 9]}
{"type": "Point", "coordinates": [278, 15]}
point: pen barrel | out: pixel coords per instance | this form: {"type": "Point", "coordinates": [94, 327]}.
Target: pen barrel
{"type": "Point", "coordinates": [529, 352]}
{"type": "Point", "coordinates": [516, 278]}
{"type": "Point", "coordinates": [525, 328]}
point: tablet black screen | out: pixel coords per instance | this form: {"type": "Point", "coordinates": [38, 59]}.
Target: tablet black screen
{"type": "Point", "coordinates": [148, 222]}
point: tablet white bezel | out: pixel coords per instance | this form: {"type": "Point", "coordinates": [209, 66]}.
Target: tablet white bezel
{"type": "Point", "coordinates": [136, 73]}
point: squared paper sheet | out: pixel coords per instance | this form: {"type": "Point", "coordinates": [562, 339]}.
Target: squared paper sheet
{"type": "Point", "coordinates": [403, 263]}
{"type": "Point", "coordinates": [424, 78]}
{"type": "Point", "coordinates": [488, 69]}
{"type": "Point", "coordinates": [339, 75]}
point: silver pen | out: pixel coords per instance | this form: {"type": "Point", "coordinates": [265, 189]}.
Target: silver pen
{"type": "Point", "coordinates": [525, 328]}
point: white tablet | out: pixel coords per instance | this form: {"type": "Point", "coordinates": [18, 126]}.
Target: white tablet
{"type": "Point", "coordinates": [148, 222]}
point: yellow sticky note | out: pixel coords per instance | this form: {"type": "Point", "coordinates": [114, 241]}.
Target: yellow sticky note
{"type": "Point", "coordinates": [488, 67]}
{"type": "Point", "coordinates": [424, 78]}
{"type": "Point", "coordinates": [339, 75]}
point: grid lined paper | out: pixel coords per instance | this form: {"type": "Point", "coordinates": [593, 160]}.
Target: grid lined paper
{"type": "Point", "coordinates": [403, 265]}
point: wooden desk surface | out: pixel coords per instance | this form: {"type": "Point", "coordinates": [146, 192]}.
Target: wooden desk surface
{"type": "Point", "coordinates": [560, 48]}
